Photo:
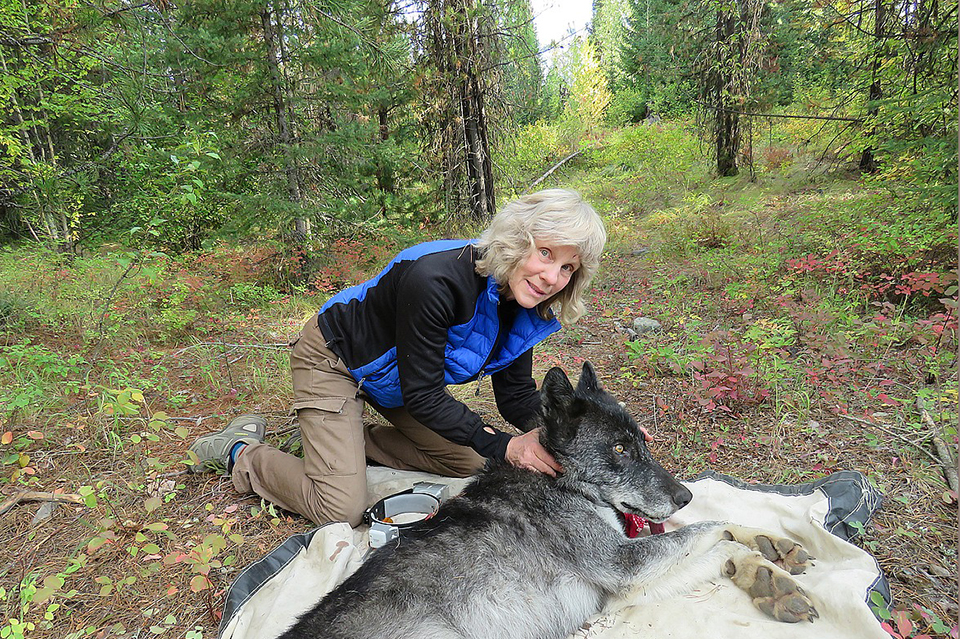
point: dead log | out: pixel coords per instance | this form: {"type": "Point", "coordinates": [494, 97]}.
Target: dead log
{"type": "Point", "coordinates": [32, 495]}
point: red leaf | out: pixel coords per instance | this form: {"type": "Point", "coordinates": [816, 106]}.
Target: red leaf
{"type": "Point", "coordinates": [199, 582]}
{"type": "Point", "coordinates": [904, 625]}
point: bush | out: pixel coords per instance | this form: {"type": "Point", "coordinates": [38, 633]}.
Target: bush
{"type": "Point", "coordinates": [246, 295]}
{"type": "Point", "coordinates": [628, 106]}
{"type": "Point", "coordinates": [536, 147]}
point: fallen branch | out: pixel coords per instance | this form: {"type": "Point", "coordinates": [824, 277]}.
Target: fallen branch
{"type": "Point", "coordinates": [942, 459]}
{"type": "Point", "coordinates": [949, 467]}
{"type": "Point", "coordinates": [948, 459]}
{"type": "Point", "coordinates": [554, 168]}
{"type": "Point", "coordinates": [274, 346]}
{"type": "Point", "coordinates": [915, 444]}
{"type": "Point", "coordinates": [30, 495]}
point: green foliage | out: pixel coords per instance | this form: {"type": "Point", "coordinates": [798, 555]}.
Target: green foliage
{"type": "Point", "coordinates": [627, 106]}
{"type": "Point", "coordinates": [657, 51]}
{"type": "Point", "coordinates": [915, 624]}
{"type": "Point", "coordinates": [32, 375]}
{"type": "Point", "coordinates": [640, 170]}
{"type": "Point", "coordinates": [244, 295]}
{"type": "Point", "coordinates": [532, 151]}
{"type": "Point", "coordinates": [173, 195]}
{"type": "Point", "coordinates": [62, 119]}
{"type": "Point", "coordinates": [666, 152]}
{"type": "Point", "coordinates": [14, 310]}
{"type": "Point", "coordinates": [589, 90]}
{"type": "Point", "coordinates": [522, 74]}
{"type": "Point", "coordinates": [608, 34]}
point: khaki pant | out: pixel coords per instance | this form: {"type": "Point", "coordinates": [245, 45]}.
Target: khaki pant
{"type": "Point", "coordinates": [330, 482]}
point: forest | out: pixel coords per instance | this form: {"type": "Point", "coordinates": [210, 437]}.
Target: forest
{"type": "Point", "coordinates": [183, 184]}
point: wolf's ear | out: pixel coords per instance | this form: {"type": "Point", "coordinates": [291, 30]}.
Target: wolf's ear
{"type": "Point", "coordinates": [588, 379]}
{"type": "Point", "coordinates": [561, 410]}
{"type": "Point", "coordinates": [556, 388]}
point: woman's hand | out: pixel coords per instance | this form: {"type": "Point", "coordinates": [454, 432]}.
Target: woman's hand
{"type": "Point", "coordinates": [525, 451]}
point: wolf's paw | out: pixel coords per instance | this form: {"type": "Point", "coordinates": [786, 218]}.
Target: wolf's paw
{"type": "Point", "coordinates": [781, 597]}
{"type": "Point", "coordinates": [783, 552]}
{"type": "Point", "coordinates": [774, 592]}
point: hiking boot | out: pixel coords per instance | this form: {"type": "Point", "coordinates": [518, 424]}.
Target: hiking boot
{"type": "Point", "coordinates": [213, 451]}
{"type": "Point", "coordinates": [293, 444]}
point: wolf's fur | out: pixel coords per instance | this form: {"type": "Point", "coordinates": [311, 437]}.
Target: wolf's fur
{"type": "Point", "coordinates": [523, 555]}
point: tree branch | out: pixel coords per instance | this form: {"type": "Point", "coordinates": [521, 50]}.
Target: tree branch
{"type": "Point", "coordinates": [779, 115]}
{"type": "Point", "coordinates": [30, 495]}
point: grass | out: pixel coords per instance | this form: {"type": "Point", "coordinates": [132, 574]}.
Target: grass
{"type": "Point", "coordinates": [826, 366]}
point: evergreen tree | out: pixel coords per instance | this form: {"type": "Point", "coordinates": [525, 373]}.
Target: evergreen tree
{"type": "Point", "coordinates": [658, 54]}
{"type": "Point", "coordinates": [517, 59]}
{"type": "Point", "coordinates": [609, 35]}
{"type": "Point", "coordinates": [457, 44]}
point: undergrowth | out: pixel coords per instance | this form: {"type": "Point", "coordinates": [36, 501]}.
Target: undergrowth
{"type": "Point", "coordinates": [805, 318]}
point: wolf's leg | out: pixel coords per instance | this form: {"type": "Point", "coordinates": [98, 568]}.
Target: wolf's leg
{"type": "Point", "coordinates": [673, 563]}
{"type": "Point", "coordinates": [677, 561]}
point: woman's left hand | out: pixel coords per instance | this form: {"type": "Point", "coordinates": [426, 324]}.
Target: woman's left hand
{"type": "Point", "coordinates": [526, 451]}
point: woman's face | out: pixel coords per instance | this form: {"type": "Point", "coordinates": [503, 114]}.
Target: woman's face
{"type": "Point", "coordinates": [543, 274]}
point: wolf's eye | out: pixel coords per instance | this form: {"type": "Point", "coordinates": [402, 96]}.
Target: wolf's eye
{"type": "Point", "coordinates": [619, 449]}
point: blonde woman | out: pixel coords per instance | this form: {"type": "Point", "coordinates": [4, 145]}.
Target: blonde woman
{"type": "Point", "coordinates": [440, 313]}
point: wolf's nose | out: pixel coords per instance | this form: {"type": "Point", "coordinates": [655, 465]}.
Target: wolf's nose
{"type": "Point", "coordinates": [681, 496]}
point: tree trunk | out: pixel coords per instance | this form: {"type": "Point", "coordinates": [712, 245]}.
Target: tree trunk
{"type": "Point", "coordinates": [868, 161]}
{"type": "Point", "coordinates": [469, 53]}
{"type": "Point", "coordinates": [384, 174]}
{"type": "Point", "coordinates": [479, 166]}
{"type": "Point", "coordinates": [727, 120]}
{"type": "Point", "coordinates": [282, 112]}
{"type": "Point", "coordinates": [461, 127]}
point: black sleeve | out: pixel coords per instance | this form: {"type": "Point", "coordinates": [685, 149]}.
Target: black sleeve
{"type": "Point", "coordinates": [516, 392]}
{"type": "Point", "coordinates": [427, 306]}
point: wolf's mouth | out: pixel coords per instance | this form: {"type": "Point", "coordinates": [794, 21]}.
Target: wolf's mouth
{"type": "Point", "coordinates": [625, 512]}
{"type": "Point", "coordinates": [626, 508]}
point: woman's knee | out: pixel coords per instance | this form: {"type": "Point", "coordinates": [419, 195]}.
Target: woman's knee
{"type": "Point", "coordinates": [338, 498]}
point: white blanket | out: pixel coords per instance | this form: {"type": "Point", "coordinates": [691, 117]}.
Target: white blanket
{"type": "Point", "coordinates": [269, 594]}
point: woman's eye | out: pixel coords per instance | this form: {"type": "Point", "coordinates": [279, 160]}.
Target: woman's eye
{"type": "Point", "coordinates": [569, 268]}
{"type": "Point", "coordinates": [619, 449]}
{"type": "Point", "coordinates": [545, 252]}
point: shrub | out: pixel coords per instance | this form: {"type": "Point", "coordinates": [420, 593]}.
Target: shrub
{"type": "Point", "coordinates": [628, 106]}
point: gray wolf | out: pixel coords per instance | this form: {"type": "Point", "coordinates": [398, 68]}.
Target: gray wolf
{"type": "Point", "coordinates": [523, 555]}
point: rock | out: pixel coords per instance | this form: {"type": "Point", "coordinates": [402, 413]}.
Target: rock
{"type": "Point", "coordinates": [646, 325]}
{"type": "Point", "coordinates": [44, 512]}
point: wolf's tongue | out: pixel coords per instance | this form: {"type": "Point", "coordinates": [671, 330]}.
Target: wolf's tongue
{"type": "Point", "coordinates": [635, 524]}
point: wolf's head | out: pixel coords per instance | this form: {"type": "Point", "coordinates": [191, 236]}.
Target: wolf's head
{"type": "Point", "coordinates": [603, 450]}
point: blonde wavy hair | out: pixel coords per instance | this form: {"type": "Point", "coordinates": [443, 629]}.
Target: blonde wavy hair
{"type": "Point", "coordinates": [557, 216]}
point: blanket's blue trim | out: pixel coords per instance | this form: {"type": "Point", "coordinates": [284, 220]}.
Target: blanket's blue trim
{"type": "Point", "coordinates": [257, 574]}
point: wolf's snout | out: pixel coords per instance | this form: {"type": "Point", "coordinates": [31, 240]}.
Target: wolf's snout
{"type": "Point", "coordinates": [681, 496]}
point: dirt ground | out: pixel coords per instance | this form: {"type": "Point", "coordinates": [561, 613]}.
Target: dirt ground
{"type": "Point", "coordinates": [153, 549]}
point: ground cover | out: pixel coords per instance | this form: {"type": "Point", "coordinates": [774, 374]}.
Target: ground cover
{"type": "Point", "coordinates": [808, 326]}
